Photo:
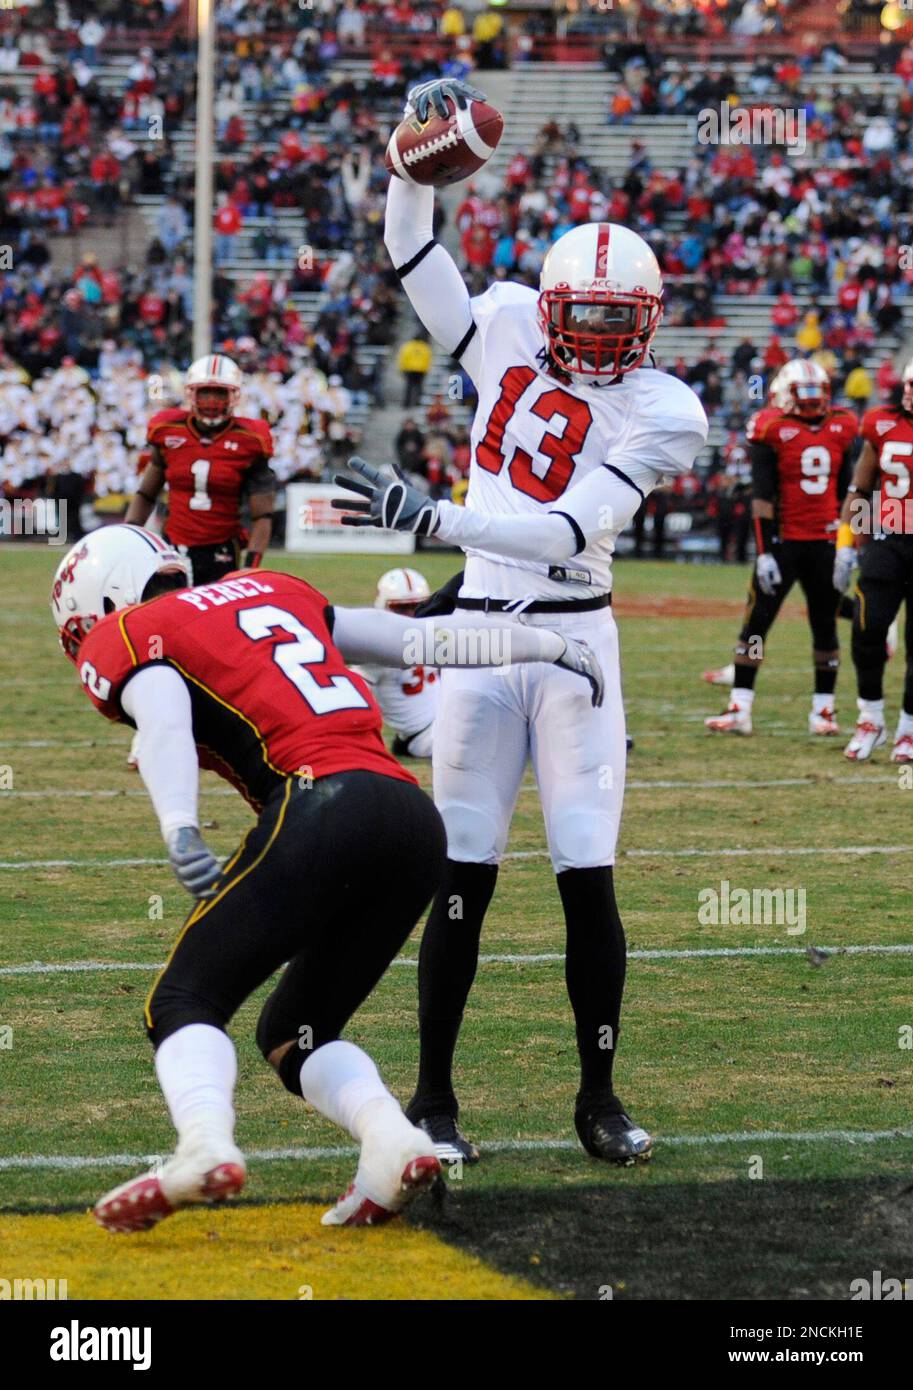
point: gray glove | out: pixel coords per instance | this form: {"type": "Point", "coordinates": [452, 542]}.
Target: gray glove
{"type": "Point", "coordinates": [435, 93]}
{"type": "Point", "coordinates": [194, 863]}
{"type": "Point", "coordinates": [768, 572]}
{"type": "Point", "coordinates": [582, 661]}
{"type": "Point", "coordinates": [394, 506]}
{"type": "Point", "coordinates": [844, 560]}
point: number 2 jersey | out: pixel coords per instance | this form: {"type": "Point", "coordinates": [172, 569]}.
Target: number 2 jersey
{"type": "Point", "coordinates": [208, 473]}
{"type": "Point", "coordinates": [536, 436]}
{"type": "Point", "coordinates": [804, 466]}
{"type": "Point", "coordinates": [270, 693]}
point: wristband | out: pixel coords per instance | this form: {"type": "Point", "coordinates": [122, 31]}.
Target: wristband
{"type": "Point", "coordinates": [252, 559]}
{"type": "Point", "coordinates": [764, 533]}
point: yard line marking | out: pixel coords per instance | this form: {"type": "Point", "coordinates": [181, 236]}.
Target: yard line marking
{"type": "Point", "coordinates": [74, 1162]}
{"type": "Point", "coordinates": [77, 967]}
{"type": "Point", "coordinates": [754, 851]}
{"type": "Point", "coordinates": [670, 784]}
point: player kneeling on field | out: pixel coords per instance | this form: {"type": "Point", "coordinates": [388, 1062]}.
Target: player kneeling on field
{"type": "Point", "coordinates": [248, 677]}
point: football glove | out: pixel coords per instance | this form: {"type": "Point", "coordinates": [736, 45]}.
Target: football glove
{"type": "Point", "coordinates": [394, 506]}
{"type": "Point", "coordinates": [768, 572]}
{"type": "Point", "coordinates": [582, 661]}
{"type": "Point", "coordinates": [420, 99]}
{"type": "Point", "coordinates": [194, 864]}
{"type": "Point", "coordinates": [844, 560]}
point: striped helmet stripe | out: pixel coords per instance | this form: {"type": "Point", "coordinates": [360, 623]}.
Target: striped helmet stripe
{"type": "Point", "coordinates": [602, 250]}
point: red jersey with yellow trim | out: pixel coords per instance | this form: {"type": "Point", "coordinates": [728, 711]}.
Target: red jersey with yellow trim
{"type": "Point", "coordinates": [759, 419]}
{"type": "Point", "coordinates": [207, 473]}
{"type": "Point", "coordinates": [890, 433]}
{"type": "Point", "coordinates": [271, 694]}
{"type": "Point", "coordinates": [810, 456]}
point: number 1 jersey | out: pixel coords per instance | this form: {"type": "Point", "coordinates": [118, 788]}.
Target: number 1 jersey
{"type": "Point", "coordinates": [270, 693]}
{"type": "Point", "coordinates": [208, 473]}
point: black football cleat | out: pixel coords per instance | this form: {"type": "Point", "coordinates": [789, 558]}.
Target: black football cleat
{"type": "Point", "coordinates": [449, 1144]}
{"type": "Point", "coordinates": [607, 1132]}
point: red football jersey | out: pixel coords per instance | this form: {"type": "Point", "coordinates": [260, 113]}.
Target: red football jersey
{"type": "Point", "coordinates": [207, 473]}
{"type": "Point", "coordinates": [890, 433]}
{"type": "Point", "coordinates": [809, 460]}
{"type": "Point", "coordinates": [271, 694]}
{"type": "Point", "coordinates": [759, 420]}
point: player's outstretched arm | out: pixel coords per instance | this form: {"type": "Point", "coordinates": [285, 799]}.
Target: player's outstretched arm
{"type": "Point", "coordinates": [600, 505]}
{"type": "Point", "coordinates": [429, 274]}
{"type": "Point", "coordinates": [157, 701]}
{"type": "Point", "coordinates": [388, 639]}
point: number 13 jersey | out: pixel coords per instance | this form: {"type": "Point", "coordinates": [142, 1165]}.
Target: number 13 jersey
{"type": "Point", "coordinates": [537, 436]}
{"type": "Point", "coordinates": [270, 693]}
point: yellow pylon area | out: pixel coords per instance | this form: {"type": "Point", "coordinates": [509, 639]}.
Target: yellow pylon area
{"type": "Point", "coordinates": [267, 1252]}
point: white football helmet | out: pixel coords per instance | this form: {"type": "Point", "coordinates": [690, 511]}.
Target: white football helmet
{"type": "Point", "coordinates": [212, 389]}
{"type": "Point", "coordinates": [108, 570]}
{"type": "Point", "coordinates": [401, 590]}
{"type": "Point", "coordinates": [600, 301]}
{"type": "Point", "coordinates": [802, 388]}
{"type": "Point", "coordinates": [906, 377]}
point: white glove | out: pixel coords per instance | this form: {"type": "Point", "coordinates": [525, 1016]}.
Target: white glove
{"type": "Point", "coordinates": [844, 560]}
{"type": "Point", "coordinates": [768, 572]}
{"type": "Point", "coordinates": [194, 864]}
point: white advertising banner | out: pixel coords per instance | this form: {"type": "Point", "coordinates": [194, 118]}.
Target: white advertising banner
{"type": "Point", "coordinates": [311, 524]}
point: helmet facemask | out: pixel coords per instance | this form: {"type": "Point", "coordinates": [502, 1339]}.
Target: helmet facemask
{"type": "Point", "coordinates": [809, 399]}
{"type": "Point", "coordinates": [212, 404]}
{"type": "Point", "coordinates": [598, 333]}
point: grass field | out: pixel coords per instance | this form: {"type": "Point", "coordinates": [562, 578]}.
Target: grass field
{"type": "Point", "coordinates": [780, 1090]}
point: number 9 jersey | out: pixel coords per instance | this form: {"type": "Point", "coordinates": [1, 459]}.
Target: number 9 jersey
{"type": "Point", "coordinates": [811, 461]}
{"type": "Point", "coordinates": [271, 695]}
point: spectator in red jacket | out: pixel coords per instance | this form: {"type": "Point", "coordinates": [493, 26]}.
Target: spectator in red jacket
{"type": "Point", "coordinates": [228, 223]}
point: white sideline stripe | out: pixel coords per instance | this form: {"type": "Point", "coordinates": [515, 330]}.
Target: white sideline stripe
{"type": "Point", "coordinates": [78, 967]}
{"type": "Point", "coordinates": [755, 851]}
{"type": "Point", "coordinates": [761, 1136]}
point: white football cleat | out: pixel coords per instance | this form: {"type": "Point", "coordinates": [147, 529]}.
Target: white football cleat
{"type": "Point", "coordinates": [867, 736]}
{"type": "Point", "coordinates": [725, 675]}
{"type": "Point", "coordinates": [183, 1180]}
{"type": "Point", "coordinates": [823, 722]}
{"type": "Point", "coordinates": [389, 1176]}
{"type": "Point", "coordinates": [902, 752]}
{"type": "Point", "coordinates": [735, 720]}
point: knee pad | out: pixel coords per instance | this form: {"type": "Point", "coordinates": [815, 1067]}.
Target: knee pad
{"type": "Point", "coordinates": [473, 835]}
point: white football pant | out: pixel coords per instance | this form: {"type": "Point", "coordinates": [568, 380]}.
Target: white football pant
{"type": "Point", "coordinates": [490, 720]}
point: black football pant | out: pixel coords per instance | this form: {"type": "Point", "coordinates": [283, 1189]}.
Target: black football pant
{"type": "Point", "coordinates": [810, 564]}
{"type": "Point", "coordinates": [331, 879]}
{"type": "Point", "coordinates": [209, 563]}
{"type": "Point", "coordinates": [885, 582]}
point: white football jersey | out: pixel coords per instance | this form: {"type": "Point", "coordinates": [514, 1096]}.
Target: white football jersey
{"type": "Point", "coordinates": [535, 438]}
{"type": "Point", "coordinates": [407, 699]}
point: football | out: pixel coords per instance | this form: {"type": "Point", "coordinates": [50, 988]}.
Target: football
{"type": "Point", "coordinates": [442, 151]}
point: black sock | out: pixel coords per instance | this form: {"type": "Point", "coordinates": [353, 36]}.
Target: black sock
{"type": "Point", "coordinates": [447, 964]}
{"type": "Point", "coordinates": [594, 970]}
{"type": "Point", "coordinates": [826, 678]}
{"type": "Point", "coordinates": [745, 677]}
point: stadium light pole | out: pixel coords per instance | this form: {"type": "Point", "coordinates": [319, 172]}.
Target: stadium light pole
{"type": "Point", "coordinates": [203, 208]}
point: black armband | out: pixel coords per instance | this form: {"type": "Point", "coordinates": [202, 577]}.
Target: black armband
{"type": "Point", "coordinates": [764, 534]}
{"type": "Point", "coordinates": [252, 559]}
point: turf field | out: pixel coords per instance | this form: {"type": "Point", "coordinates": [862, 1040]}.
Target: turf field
{"type": "Point", "coordinates": [780, 1087]}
